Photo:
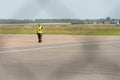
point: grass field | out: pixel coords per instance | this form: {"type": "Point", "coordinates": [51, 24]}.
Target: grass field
{"type": "Point", "coordinates": [62, 29]}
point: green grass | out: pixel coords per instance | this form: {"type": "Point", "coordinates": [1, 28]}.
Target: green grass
{"type": "Point", "coordinates": [63, 29]}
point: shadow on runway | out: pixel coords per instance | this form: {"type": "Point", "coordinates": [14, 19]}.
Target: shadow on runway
{"type": "Point", "coordinates": [93, 62]}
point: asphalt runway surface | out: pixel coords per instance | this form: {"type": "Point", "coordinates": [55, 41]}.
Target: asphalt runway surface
{"type": "Point", "coordinates": [88, 60]}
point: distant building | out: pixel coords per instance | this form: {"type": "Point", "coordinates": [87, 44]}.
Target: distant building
{"type": "Point", "coordinates": [57, 23]}
{"type": "Point", "coordinates": [116, 21]}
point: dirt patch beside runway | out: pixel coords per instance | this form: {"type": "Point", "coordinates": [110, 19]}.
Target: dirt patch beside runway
{"type": "Point", "coordinates": [19, 40]}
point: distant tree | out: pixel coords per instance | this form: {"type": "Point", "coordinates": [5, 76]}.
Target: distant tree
{"type": "Point", "coordinates": [108, 18]}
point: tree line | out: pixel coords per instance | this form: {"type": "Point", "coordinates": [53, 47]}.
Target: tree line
{"type": "Point", "coordinates": [72, 21]}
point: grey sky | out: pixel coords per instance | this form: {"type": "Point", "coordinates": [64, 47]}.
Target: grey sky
{"type": "Point", "coordinates": [76, 9]}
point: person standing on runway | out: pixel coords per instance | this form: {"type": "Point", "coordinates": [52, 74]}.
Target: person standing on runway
{"type": "Point", "coordinates": [39, 33]}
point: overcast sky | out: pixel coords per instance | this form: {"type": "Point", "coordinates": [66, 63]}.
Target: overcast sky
{"type": "Point", "coordinates": [58, 9]}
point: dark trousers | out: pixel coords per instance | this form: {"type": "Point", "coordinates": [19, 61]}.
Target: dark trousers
{"type": "Point", "coordinates": [39, 37]}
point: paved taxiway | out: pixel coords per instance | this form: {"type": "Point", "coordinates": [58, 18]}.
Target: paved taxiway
{"type": "Point", "coordinates": [88, 60]}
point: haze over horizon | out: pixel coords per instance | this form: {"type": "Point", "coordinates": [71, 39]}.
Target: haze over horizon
{"type": "Point", "coordinates": [59, 9]}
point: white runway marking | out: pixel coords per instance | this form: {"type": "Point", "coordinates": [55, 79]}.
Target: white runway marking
{"type": "Point", "coordinates": [59, 46]}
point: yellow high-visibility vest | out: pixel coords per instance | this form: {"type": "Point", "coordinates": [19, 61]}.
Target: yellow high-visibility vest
{"type": "Point", "coordinates": [39, 30]}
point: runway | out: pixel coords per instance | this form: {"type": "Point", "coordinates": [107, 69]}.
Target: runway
{"type": "Point", "coordinates": [92, 59]}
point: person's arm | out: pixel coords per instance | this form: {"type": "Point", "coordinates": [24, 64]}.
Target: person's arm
{"type": "Point", "coordinates": [42, 27]}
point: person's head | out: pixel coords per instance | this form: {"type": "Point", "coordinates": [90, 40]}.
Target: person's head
{"type": "Point", "coordinates": [39, 24]}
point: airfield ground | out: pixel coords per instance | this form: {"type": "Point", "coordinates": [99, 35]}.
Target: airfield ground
{"type": "Point", "coordinates": [59, 57]}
